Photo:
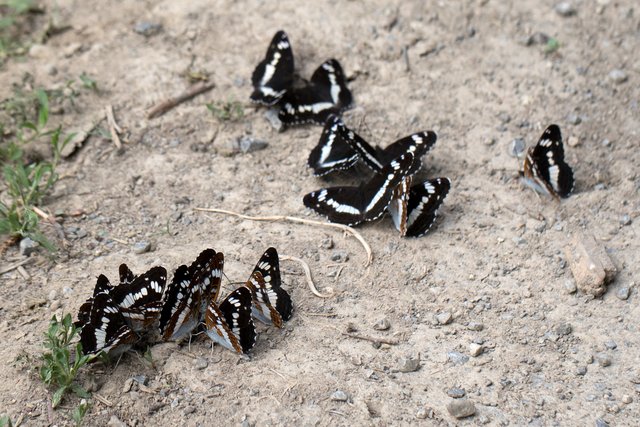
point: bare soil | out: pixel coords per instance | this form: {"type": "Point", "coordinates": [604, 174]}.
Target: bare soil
{"type": "Point", "coordinates": [494, 261]}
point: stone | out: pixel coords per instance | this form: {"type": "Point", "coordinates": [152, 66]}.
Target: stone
{"type": "Point", "coordinates": [200, 363]}
{"type": "Point", "coordinates": [408, 364]}
{"type": "Point", "coordinates": [590, 264]}
{"type": "Point", "coordinates": [147, 28]}
{"type": "Point", "coordinates": [28, 246]}
{"type": "Point", "coordinates": [610, 345]}
{"type": "Point", "coordinates": [53, 294]}
{"type": "Point", "coordinates": [618, 76]}
{"type": "Point", "coordinates": [340, 256]}
{"type": "Point", "coordinates": [516, 147]}
{"type": "Point", "coordinates": [272, 117]}
{"type": "Point", "coordinates": [457, 358]}
{"type": "Point", "coordinates": [382, 324]}
{"type": "Point", "coordinates": [574, 119]}
{"type": "Point", "coordinates": [626, 399]}
{"type": "Point", "coordinates": [339, 396]}
{"type": "Point", "coordinates": [570, 286]}
{"type": "Point", "coordinates": [603, 359]}
{"type": "Point", "coordinates": [115, 422]}
{"type": "Point", "coordinates": [564, 329]}
{"type": "Point", "coordinates": [248, 144]}
{"type": "Point", "coordinates": [565, 9]}
{"type": "Point", "coordinates": [573, 141]}
{"type": "Point", "coordinates": [623, 293]}
{"type": "Point", "coordinates": [189, 410]}
{"type": "Point", "coordinates": [456, 392]}
{"type": "Point", "coordinates": [625, 219]}
{"type": "Point", "coordinates": [327, 243]}
{"type": "Point", "coordinates": [461, 408]}
{"type": "Point", "coordinates": [601, 423]}
{"type": "Point", "coordinates": [475, 349]}
{"type": "Point", "coordinates": [475, 326]}
{"type": "Point", "coordinates": [141, 247]}
{"type": "Point", "coordinates": [444, 318]}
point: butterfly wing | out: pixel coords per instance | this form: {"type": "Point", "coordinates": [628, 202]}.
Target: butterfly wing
{"type": "Point", "coordinates": [354, 205]}
{"type": "Point", "coordinates": [366, 153]}
{"type": "Point", "coordinates": [140, 301]}
{"type": "Point", "coordinates": [399, 204]}
{"type": "Point", "coordinates": [126, 275]}
{"type": "Point", "coordinates": [422, 208]}
{"type": "Point", "coordinates": [179, 315]}
{"type": "Point", "coordinates": [107, 329]}
{"type": "Point", "coordinates": [84, 312]}
{"type": "Point", "coordinates": [271, 292]}
{"type": "Point", "coordinates": [545, 164]}
{"type": "Point", "coordinates": [418, 143]}
{"type": "Point", "coordinates": [230, 324]}
{"type": "Point", "coordinates": [332, 152]}
{"type": "Point", "coordinates": [206, 277]}
{"type": "Point", "coordinates": [326, 94]}
{"type": "Point", "coordinates": [274, 74]}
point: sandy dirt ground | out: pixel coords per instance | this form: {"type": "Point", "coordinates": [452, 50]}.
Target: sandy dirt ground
{"type": "Point", "coordinates": [491, 272]}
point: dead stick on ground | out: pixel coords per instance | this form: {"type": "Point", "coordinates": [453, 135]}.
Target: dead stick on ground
{"type": "Point", "coordinates": [342, 227]}
{"type": "Point", "coordinates": [10, 267]}
{"type": "Point", "coordinates": [372, 339]}
{"type": "Point", "coordinates": [191, 92]}
{"type": "Point", "coordinates": [114, 129]}
{"type": "Point", "coordinates": [307, 272]}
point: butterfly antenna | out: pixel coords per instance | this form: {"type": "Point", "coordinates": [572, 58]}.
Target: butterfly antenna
{"type": "Point", "coordinates": [118, 362]}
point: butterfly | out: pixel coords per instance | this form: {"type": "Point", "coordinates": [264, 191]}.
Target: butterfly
{"type": "Point", "coordinates": [271, 304]}
{"type": "Point", "coordinates": [414, 209]}
{"type": "Point", "coordinates": [230, 323]}
{"type": "Point", "coordinates": [187, 296]}
{"type": "Point", "coordinates": [545, 170]}
{"type": "Point", "coordinates": [106, 329]}
{"type": "Point", "coordinates": [137, 297]}
{"type": "Point", "coordinates": [274, 74]}
{"type": "Point", "coordinates": [366, 202]}
{"type": "Point", "coordinates": [325, 94]}
{"type": "Point", "coordinates": [340, 148]}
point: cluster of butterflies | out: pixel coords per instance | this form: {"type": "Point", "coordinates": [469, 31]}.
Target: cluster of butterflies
{"type": "Point", "coordinates": [140, 310]}
{"type": "Point", "coordinates": [298, 102]}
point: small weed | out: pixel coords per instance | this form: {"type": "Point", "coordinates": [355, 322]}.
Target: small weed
{"type": "Point", "coordinates": [5, 421]}
{"type": "Point", "coordinates": [14, 26]}
{"type": "Point", "coordinates": [27, 184]}
{"type": "Point", "coordinates": [227, 111]}
{"type": "Point", "coordinates": [552, 45]}
{"type": "Point", "coordinates": [88, 82]}
{"type": "Point", "coordinates": [58, 368]}
{"type": "Point", "coordinates": [80, 411]}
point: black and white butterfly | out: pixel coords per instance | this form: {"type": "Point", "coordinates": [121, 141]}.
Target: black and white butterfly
{"type": "Point", "coordinates": [271, 303]}
{"type": "Point", "coordinates": [414, 208]}
{"type": "Point", "coordinates": [274, 74]}
{"type": "Point", "coordinates": [230, 323]}
{"type": "Point", "coordinates": [187, 296]}
{"type": "Point", "coordinates": [544, 167]}
{"type": "Point", "coordinates": [325, 94]}
{"type": "Point", "coordinates": [333, 151]}
{"type": "Point", "coordinates": [340, 148]}
{"type": "Point", "coordinates": [106, 329]}
{"type": "Point", "coordinates": [139, 298]}
{"type": "Point", "coordinates": [366, 202]}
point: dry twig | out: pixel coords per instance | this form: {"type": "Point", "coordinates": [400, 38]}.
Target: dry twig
{"type": "Point", "coordinates": [342, 227]}
{"type": "Point", "coordinates": [13, 266]}
{"type": "Point", "coordinates": [372, 339]}
{"type": "Point", "coordinates": [170, 103]}
{"type": "Point", "coordinates": [307, 273]}
{"type": "Point", "coordinates": [114, 129]}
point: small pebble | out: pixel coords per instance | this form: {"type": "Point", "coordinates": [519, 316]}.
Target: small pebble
{"type": "Point", "coordinates": [573, 141]}
{"type": "Point", "coordinates": [461, 408]}
{"type": "Point", "coordinates": [570, 286]}
{"type": "Point", "coordinates": [516, 147]}
{"type": "Point", "coordinates": [574, 119]}
{"type": "Point", "coordinates": [115, 422]}
{"type": "Point", "coordinates": [28, 246]}
{"type": "Point", "coordinates": [457, 358]}
{"type": "Point", "coordinates": [623, 293]}
{"type": "Point", "coordinates": [625, 219]}
{"type": "Point", "coordinates": [146, 28]}
{"type": "Point", "coordinates": [475, 326]}
{"type": "Point", "coordinates": [340, 256]}
{"type": "Point", "coordinates": [272, 117]}
{"type": "Point", "coordinates": [564, 329]}
{"type": "Point", "coordinates": [126, 388]}
{"type": "Point", "coordinates": [339, 396]}
{"type": "Point", "coordinates": [200, 363]}
{"type": "Point", "coordinates": [618, 76]}
{"type": "Point", "coordinates": [444, 318]}
{"type": "Point", "coordinates": [54, 305]}
{"type": "Point", "coordinates": [565, 9]}
{"type": "Point", "coordinates": [605, 143]}
{"type": "Point", "coordinates": [610, 345]}
{"type": "Point", "coordinates": [141, 247]}
{"type": "Point", "coordinates": [456, 392]}
{"type": "Point", "coordinates": [626, 399]}
{"type": "Point", "coordinates": [189, 410]}
{"type": "Point", "coordinates": [581, 371]}
{"type": "Point", "coordinates": [504, 117]}
{"type": "Point", "coordinates": [327, 243]}
{"type": "Point", "coordinates": [141, 379]}
{"type": "Point", "coordinates": [475, 349]}
{"type": "Point", "coordinates": [382, 325]}
{"type": "Point", "coordinates": [421, 413]}
{"type": "Point", "coordinates": [408, 364]}
{"type": "Point", "coordinates": [53, 294]}
{"type": "Point", "coordinates": [248, 144]}
{"type": "Point", "coordinates": [604, 360]}
{"type": "Point", "coordinates": [601, 423]}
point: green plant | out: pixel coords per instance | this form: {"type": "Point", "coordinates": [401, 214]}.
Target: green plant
{"type": "Point", "coordinates": [12, 23]}
{"type": "Point", "coordinates": [58, 368]}
{"type": "Point", "coordinates": [552, 45]}
{"type": "Point", "coordinates": [5, 421]}
{"type": "Point", "coordinates": [80, 411]}
{"type": "Point", "coordinates": [27, 184]}
{"type": "Point", "coordinates": [226, 111]}
{"type": "Point", "coordinates": [88, 82]}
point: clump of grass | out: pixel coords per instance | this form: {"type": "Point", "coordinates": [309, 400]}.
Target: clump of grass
{"type": "Point", "coordinates": [5, 421]}
{"type": "Point", "coordinates": [28, 183]}
{"type": "Point", "coordinates": [552, 45]}
{"type": "Point", "coordinates": [229, 111]}
{"type": "Point", "coordinates": [80, 411]}
{"type": "Point", "coordinates": [14, 30]}
{"type": "Point", "coordinates": [59, 368]}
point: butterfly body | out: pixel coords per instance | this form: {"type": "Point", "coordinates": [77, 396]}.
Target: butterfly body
{"type": "Point", "coordinates": [415, 209]}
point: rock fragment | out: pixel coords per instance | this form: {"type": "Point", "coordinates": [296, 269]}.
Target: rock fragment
{"type": "Point", "coordinates": [461, 408]}
{"type": "Point", "coordinates": [590, 264]}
